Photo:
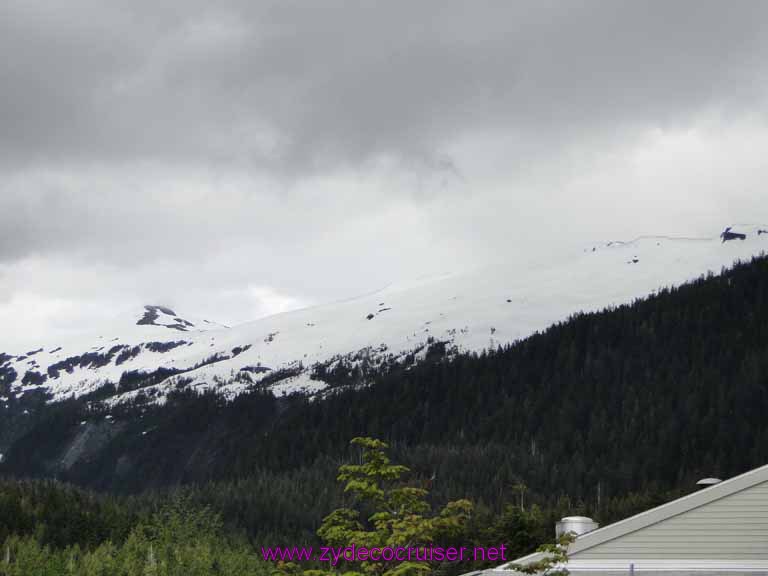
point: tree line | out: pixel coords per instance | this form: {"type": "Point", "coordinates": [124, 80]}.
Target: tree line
{"type": "Point", "coordinates": [604, 414]}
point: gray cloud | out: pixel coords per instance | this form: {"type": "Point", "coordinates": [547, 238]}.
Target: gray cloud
{"type": "Point", "coordinates": [237, 158]}
{"type": "Point", "coordinates": [298, 85]}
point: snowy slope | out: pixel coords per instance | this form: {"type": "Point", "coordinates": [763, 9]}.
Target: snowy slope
{"type": "Point", "coordinates": [469, 312]}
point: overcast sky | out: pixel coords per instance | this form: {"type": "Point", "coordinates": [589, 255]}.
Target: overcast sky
{"type": "Point", "coordinates": [235, 159]}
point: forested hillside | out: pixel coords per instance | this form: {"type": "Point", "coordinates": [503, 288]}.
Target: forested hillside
{"type": "Point", "coordinates": [47, 528]}
{"type": "Point", "coordinates": [633, 403]}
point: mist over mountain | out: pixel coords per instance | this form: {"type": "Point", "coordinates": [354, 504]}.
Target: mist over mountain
{"type": "Point", "coordinates": [158, 351]}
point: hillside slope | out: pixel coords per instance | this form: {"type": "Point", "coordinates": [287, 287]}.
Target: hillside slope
{"type": "Point", "coordinates": [161, 351]}
{"type": "Point", "coordinates": [677, 380]}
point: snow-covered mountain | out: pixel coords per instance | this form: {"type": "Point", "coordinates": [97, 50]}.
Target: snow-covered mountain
{"type": "Point", "coordinates": [158, 350]}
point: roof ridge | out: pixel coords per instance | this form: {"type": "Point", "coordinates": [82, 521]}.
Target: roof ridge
{"type": "Point", "coordinates": [660, 513]}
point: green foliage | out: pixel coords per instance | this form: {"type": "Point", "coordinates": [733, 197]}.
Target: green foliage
{"type": "Point", "coordinates": [175, 541]}
{"type": "Point", "coordinates": [522, 531]}
{"type": "Point", "coordinates": [59, 515]}
{"type": "Point", "coordinates": [554, 559]}
{"type": "Point", "coordinates": [388, 513]}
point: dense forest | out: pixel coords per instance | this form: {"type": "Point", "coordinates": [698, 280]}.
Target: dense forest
{"type": "Point", "coordinates": [604, 414]}
{"type": "Point", "coordinates": [47, 528]}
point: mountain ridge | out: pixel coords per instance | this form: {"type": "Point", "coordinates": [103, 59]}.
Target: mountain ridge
{"type": "Point", "coordinates": [294, 351]}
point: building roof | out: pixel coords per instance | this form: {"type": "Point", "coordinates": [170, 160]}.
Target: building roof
{"type": "Point", "coordinates": [656, 515]}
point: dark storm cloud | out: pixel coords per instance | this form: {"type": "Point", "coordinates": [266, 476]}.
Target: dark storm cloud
{"type": "Point", "coordinates": [292, 86]}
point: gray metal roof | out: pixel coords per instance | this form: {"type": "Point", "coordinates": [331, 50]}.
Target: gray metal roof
{"type": "Point", "coordinates": [659, 514]}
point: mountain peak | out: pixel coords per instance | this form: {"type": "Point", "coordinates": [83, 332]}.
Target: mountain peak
{"type": "Point", "coordinates": [158, 315]}
{"type": "Point", "coordinates": [289, 352]}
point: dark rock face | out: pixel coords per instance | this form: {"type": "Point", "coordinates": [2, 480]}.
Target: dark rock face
{"type": "Point", "coordinates": [135, 379]}
{"type": "Point", "coordinates": [728, 235]}
{"type": "Point", "coordinates": [127, 354]}
{"type": "Point", "coordinates": [120, 353]}
{"type": "Point", "coordinates": [237, 350]}
{"type": "Point", "coordinates": [87, 441]}
{"type": "Point", "coordinates": [152, 313]}
{"type": "Point", "coordinates": [255, 369]}
{"type": "Point", "coordinates": [270, 337]}
{"type": "Point", "coordinates": [7, 377]}
{"type": "Point", "coordinates": [88, 360]}
{"type": "Point", "coordinates": [163, 347]}
{"type": "Point", "coordinates": [34, 378]}
{"type": "Point", "coordinates": [131, 352]}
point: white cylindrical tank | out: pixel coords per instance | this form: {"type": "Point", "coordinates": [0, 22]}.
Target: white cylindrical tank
{"type": "Point", "coordinates": [575, 524]}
